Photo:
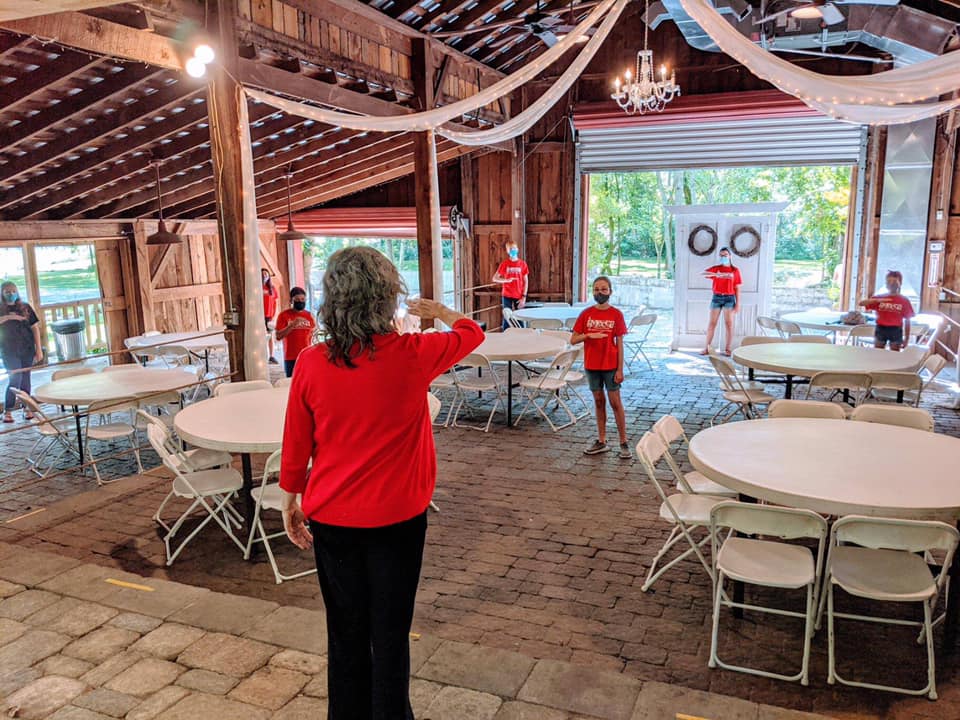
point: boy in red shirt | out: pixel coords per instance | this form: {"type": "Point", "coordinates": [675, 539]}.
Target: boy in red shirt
{"type": "Point", "coordinates": [726, 298]}
{"type": "Point", "coordinates": [270, 296]}
{"type": "Point", "coordinates": [893, 314]}
{"type": "Point", "coordinates": [601, 329]}
{"type": "Point", "coordinates": [295, 328]}
{"type": "Point", "coordinates": [513, 276]}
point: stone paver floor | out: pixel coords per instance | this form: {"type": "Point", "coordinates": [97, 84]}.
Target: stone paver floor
{"type": "Point", "coordinates": [84, 642]}
{"type": "Point", "coordinates": [537, 551]}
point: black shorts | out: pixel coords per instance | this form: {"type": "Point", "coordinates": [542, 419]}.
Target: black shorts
{"type": "Point", "coordinates": [889, 334]}
{"type": "Point", "coordinates": [723, 302]}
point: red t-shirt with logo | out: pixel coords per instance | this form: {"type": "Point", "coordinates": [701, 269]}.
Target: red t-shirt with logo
{"type": "Point", "coordinates": [269, 302]}
{"type": "Point", "coordinates": [601, 354]}
{"type": "Point", "coordinates": [725, 279]}
{"type": "Point", "coordinates": [891, 310]}
{"type": "Point", "coordinates": [516, 270]}
{"type": "Point", "coordinates": [296, 340]}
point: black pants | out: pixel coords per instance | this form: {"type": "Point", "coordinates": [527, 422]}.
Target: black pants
{"type": "Point", "coordinates": [18, 381]}
{"type": "Point", "coordinates": [288, 366]}
{"type": "Point", "coordinates": [369, 578]}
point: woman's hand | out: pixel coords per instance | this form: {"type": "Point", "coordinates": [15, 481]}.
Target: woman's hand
{"type": "Point", "coordinates": [38, 356]}
{"type": "Point", "coordinates": [294, 523]}
{"type": "Point", "coordinates": [426, 309]}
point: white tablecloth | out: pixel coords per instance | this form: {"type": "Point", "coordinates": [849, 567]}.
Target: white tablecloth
{"type": "Point", "coordinates": [127, 382]}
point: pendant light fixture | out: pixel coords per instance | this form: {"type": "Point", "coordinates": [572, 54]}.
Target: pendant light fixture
{"type": "Point", "coordinates": [291, 233]}
{"type": "Point", "coordinates": [162, 236]}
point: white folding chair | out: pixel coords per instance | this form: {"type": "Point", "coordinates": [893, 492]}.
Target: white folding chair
{"type": "Point", "coordinates": [787, 329]}
{"type": "Point", "coordinates": [686, 512]}
{"type": "Point", "coordinates": [743, 400]}
{"type": "Point", "coordinates": [173, 355]}
{"type": "Point", "coordinates": [637, 333]}
{"type": "Point", "coordinates": [548, 387]}
{"type": "Point", "coordinates": [767, 564]}
{"type": "Point", "coordinates": [815, 339]}
{"type": "Point", "coordinates": [861, 335]}
{"type": "Point", "coordinates": [269, 496]}
{"type": "Point", "coordinates": [749, 340]}
{"type": "Point", "coordinates": [806, 409]}
{"type": "Point", "coordinates": [445, 383]}
{"type": "Point", "coordinates": [569, 323]}
{"type": "Point", "coordinates": [485, 380]}
{"type": "Point", "coordinates": [885, 385]}
{"type": "Point", "coordinates": [545, 324]}
{"type": "Point", "coordinates": [186, 460]}
{"type": "Point", "coordinates": [110, 429]}
{"type": "Point", "coordinates": [915, 356]}
{"type": "Point", "coordinates": [854, 385]}
{"type": "Point", "coordinates": [70, 372]}
{"type": "Point", "coordinates": [512, 320]}
{"type": "Point", "coordinates": [669, 430]}
{"type": "Point", "coordinates": [229, 388]}
{"type": "Point", "coordinates": [283, 382]}
{"type": "Point", "coordinates": [901, 415]}
{"type": "Point", "coordinates": [767, 325]}
{"type": "Point", "coordinates": [56, 435]}
{"type": "Point", "coordinates": [209, 490]}
{"type": "Point", "coordinates": [882, 559]}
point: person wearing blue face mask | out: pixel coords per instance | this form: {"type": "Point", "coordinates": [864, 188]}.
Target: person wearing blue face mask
{"type": "Point", "coordinates": [726, 298]}
{"type": "Point", "coordinates": [513, 275]}
{"type": "Point", "coordinates": [20, 345]}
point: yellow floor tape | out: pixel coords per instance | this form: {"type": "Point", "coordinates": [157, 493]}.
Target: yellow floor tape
{"type": "Point", "coordinates": [681, 716]}
{"type": "Point", "coordinates": [26, 515]}
{"type": "Point", "coordinates": [129, 585]}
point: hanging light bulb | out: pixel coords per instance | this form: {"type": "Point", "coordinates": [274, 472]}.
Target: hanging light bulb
{"type": "Point", "coordinates": [291, 233]}
{"type": "Point", "coordinates": [204, 53]}
{"type": "Point", "coordinates": [162, 236]}
{"type": "Point", "coordinates": [195, 67]}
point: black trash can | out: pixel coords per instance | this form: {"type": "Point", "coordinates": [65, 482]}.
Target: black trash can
{"type": "Point", "coordinates": [69, 338]}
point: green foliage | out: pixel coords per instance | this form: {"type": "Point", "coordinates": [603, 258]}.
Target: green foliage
{"type": "Point", "coordinates": [627, 217]}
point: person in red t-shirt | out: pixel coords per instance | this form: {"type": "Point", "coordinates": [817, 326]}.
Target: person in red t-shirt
{"type": "Point", "coordinates": [601, 328]}
{"type": "Point", "coordinates": [893, 314]}
{"type": "Point", "coordinates": [358, 447]}
{"type": "Point", "coordinates": [513, 275]}
{"type": "Point", "coordinates": [270, 296]}
{"type": "Point", "coordinates": [295, 328]}
{"type": "Point", "coordinates": [726, 298]}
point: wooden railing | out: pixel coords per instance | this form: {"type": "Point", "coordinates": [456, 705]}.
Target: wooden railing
{"type": "Point", "coordinates": [91, 311]}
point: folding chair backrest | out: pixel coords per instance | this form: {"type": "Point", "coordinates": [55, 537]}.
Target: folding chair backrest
{"type": "Point", "coordinates": [569, 323]}
{"type": "Point", "coordinates": [174, 354]}
{"type": "Point", "coordinates": [899, 381]}
{"type": "Point", "coordinates": [272, 465]}
{"type": "Point", "coordinates": [475, 360]}
{"type": "Point", "coordinates": [767, 323]}
{"type": "Point", "coordinates": [903, 416]}
{"type": "Point", "coordinates": [512, 321]}
{"type": "Point", "coordinates": [434, 404]}
{"type": "Point", "coordinates": [158, 437]}
{"type": "Point", "coordinates": [32, 405]}
{"type": "Point", "coordinates": [859, 332]}
{"type": "Point", "coordinates": [545, 324]}
{"type": "Point", "coordinates": [770, 520]}
{"type": "Point", "coordinates": [913, 536]}
{"type": "Point", "coordinates": [643, 324]}
{"type": "Point", "coordinates": [816, 339]}
{"type": "Point", "coordinates": [669, 429]}
{"type": "Point", "coordinates": [727, 372]}
{"type": "Point", "coordinates": [854, 381]}
{"type": "Point", "coordinates": [237, 387]}
{"type": "Point", "coordinates": [933, 365]}
{"type": "Point", "coordinates": [74, 372]}
{"type": "Point", "coordinates": [787, 328]}
{"type": "Point", "coordinates": [806, 409]}
{"type": "Point", "coordinates": [915, 355]}
{"type": "Point", "coordinates": [749, 340]}
{"type": "Point", "coordinates": [564, 335]}
{"type": "Point", "coordinates": [651, 449]}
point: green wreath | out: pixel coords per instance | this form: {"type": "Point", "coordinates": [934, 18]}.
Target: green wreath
{"type": "Point", "coordinates": [754, 247]}
{"type": "Point", "coordinates": [693, 235]}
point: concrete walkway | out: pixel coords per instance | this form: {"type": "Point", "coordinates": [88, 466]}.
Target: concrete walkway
{"type": "Point", "coordinates": [85, 642]}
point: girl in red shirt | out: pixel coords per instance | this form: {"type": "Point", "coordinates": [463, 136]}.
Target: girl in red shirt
{"type": "Point", "coordinates": [358, 447]}
{"type": "Point", "coordinates": [514, 277]}
{"type": "Point", "coordinates": [270, 296]}
{"type": "Point", "coordinates": [893, 314]}
{"type": "Point", "coordinates": [601, 329]}
{"type": "Point", "coordinates": [295, 327]}
{"type": "Point", "coordinates": [726, 298]}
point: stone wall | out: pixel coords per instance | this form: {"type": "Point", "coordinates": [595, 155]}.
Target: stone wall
{"type": "Point", "coordinates": [633, 291]}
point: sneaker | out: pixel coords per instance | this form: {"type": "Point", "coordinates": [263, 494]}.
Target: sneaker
{"type": "Point", "coordinates": [597, 448]}
{"type": "Point", "coordinates": [273, 361]}
{"type": "Point", "coordinates": [7, 418]}
{"type": "Point", "coordinates": [625, 453]}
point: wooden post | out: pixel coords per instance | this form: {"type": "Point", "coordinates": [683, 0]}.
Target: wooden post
{"type": "Point", "coordinates": [236, 206]}
{"type": "Point", "coordinates": [938, 219]}
{"type": "Point", "coordinates": [141, 257]}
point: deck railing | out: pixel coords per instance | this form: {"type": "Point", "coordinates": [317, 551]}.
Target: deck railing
{"type": "Point", "coordinates": [90, 311]}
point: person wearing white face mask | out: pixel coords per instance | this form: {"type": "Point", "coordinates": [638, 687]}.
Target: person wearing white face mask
{"type": "Point", "coordinates": [513, 274]}
{"type": "Point", "coordinates": [726, 298]}
{"type": "Point", "coordinates": [20, 345]}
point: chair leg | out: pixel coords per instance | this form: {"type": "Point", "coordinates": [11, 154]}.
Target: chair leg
{"type": "Point", "coordinates": [715, 631]}
{"type": "Point", "coordinates": [931, 659]}
{"type": "Point", "coordinates": [831, 643]}
{"type": "Point", "coordinates": [807, 637]}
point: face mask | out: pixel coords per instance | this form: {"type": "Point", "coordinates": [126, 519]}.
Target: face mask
{"type": "Point", "coordinates": [893, 288]}
{"type": "Point", "coordinates": [11, 297]}
{"type": "Point", "coordinates": [299, 305]}
{"type": "Point", "coordinates": [514, 254]}
{"type": "Point", "coordinates": [725, 261]}
{"type": "Point", "coordinates": [266, 280]}
{"type": "Point", "coordinates": [600, 298]}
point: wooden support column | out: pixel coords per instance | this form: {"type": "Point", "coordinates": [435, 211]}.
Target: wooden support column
{"type": "Point", "coordinates": [468, 202]}
{"type": "Point", "coordinates": [938, 220]}
{"type": "Point", "coordinates": [518, 182]}
{"type": "Point", "coordinates": [236, 206]}
{"type": "Point", "coordinates": [141, 259]}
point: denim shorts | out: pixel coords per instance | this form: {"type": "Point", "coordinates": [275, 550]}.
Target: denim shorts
{"type": "Point", "coordinates": [723, 302]}
{"type": "Point", "coordinates": [600, 379]}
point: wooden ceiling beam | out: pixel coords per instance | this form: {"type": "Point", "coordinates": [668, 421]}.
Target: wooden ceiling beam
{"type": "Point", "coordinates": [69, 107]}
{"type": "Point", "coordinates": [101, 37]}
{"type": "Point", "coordinates": [30, 84]}
{"type": "Point", "coordinates": [475, 14]}
{"type": "Point", "coordinates": [15, 9]}
{"type": "Point", "coordinates": [170, 96]}
{"type": "Point", "coordinates": [445, 9]}
{"type": "Point", "coordinates": [401, 7]}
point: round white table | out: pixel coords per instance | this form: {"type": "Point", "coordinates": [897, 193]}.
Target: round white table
{"type": "Point", "coordinates": [515, 345]}
{"type": "Point", "coordinates": [127, 382]}
{"type": "Point", "coordinates": [199, 343]}
{"type": "Point", "coordinates": [807, 359]}
{"type": "Point", "coordinates": [549, 312]}
{"type": "Point", "coordinates": [839, 467]}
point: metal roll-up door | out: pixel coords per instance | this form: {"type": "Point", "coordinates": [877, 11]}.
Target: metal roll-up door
{"type": "Point", "coordinates": [815, 140]}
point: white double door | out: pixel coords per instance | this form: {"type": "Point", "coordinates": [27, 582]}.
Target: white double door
{"type": "Point", "coordinates": [693, 291]}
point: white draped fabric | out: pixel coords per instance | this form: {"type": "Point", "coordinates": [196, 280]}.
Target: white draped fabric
{"type": "Point", "coordinates": [432, 119]}
{"type": "Point", "coordinates": [526, 119]}
{"type": "Point", "coordinates": [886, 98]}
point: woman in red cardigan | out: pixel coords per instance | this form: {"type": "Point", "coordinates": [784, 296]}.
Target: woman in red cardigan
{"type": "Point", "coordinates": [358, 412]}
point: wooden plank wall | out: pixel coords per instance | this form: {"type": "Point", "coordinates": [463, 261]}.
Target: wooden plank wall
{"type": "Point", "coordinates": [491, 229]}
{"type": "Point", "coordinates": [187, 291]}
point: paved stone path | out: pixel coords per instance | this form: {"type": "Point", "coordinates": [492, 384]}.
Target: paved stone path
{"type": "Point", "coordinates": [84, 642]}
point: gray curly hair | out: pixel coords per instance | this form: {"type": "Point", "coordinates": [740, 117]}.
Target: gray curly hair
{"type": "Point", "coordinates": [360, 291]}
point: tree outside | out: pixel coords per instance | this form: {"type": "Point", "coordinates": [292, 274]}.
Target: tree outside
{"type": "Point", "coordinates": [632, 234]}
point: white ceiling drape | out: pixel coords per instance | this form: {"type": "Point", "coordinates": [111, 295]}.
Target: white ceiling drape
{"type": "Point", "coordinates": [886, 98]}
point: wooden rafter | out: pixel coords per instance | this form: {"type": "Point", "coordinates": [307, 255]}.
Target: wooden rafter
{"type": "Point", "coordinates": [15, 9]}
{"type": "Point", "coordinates": [29, 85]}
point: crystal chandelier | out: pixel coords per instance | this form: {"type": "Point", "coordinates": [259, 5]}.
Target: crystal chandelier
{"type": "Point", "coordinates": [643, 93]}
